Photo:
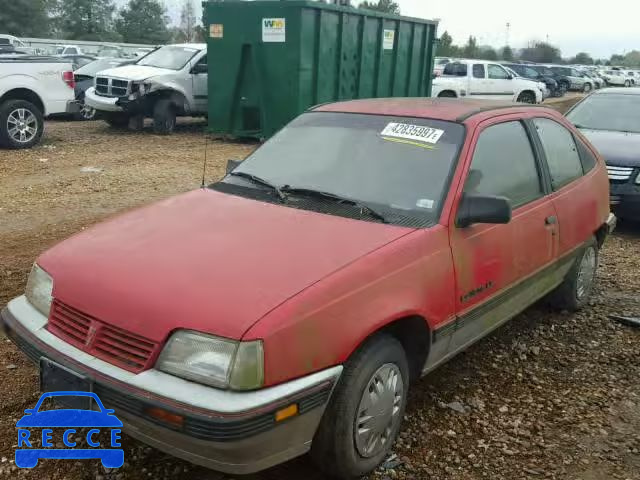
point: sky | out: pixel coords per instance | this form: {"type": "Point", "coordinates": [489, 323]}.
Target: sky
{"type": "Point", "coordinates": [599, 28]}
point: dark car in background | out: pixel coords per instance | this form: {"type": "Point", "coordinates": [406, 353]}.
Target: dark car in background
{"type": "Point", "coordinates": [527, 71]}
{"type": "Point", "coordinates": [85, 76]}
{"type": "Point", "coordinates": [564, 83]}
{"type": "Point", "coordinates": [610, 119]}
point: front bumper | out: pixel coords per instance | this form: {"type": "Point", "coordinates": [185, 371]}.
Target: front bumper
{"type": "Point", "coordinates": [233, 432]}
{"type": "Point", "coordinates": [100, 103]}
{"type": "Point", "coordinates": [625, 200]}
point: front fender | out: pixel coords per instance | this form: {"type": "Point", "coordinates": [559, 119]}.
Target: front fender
{"type": "Point", "coordinates": [173, 90]}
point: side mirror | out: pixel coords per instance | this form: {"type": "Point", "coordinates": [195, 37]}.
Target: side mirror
{"type": "Point", "coordinates": [509, 77]}
{"type": "Point", "coordinates": [483, 209]}
{"type": "Point", "coordinates": [232, 165]}
{"type": "Point", "coordinates": [199, 68]}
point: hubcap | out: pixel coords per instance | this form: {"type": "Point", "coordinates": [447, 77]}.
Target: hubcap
{"type": "Point", "coordinates": [379, 411]}
{"type": "Point", "coordinates": [586, 273]}
{"type": "Point", "coordinates": [22, 125]}
{"type": "Point", "coordinates": [87, 112]}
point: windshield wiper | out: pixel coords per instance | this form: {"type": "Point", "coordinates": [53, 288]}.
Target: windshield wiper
{"type": "Point", "coordinates": [364, 208]}
{"type": "Point", "coordinates": [260, 181]}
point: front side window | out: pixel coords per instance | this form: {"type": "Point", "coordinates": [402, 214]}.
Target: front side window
{"type": "Point", "coordinates": [496, 72]}
{"type": "Point", "coordinates": [399, 166]}
{"type": "Point", "coordinates": [504, 165]}
{"type": "Point", "coordinates": [478, 70]}
{"type": "Point", "coordinates": [561, 152]}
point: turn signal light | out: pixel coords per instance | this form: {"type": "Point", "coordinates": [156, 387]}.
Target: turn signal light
{"type": "Point", "coordinates": [287, 412]}
{"type": "Point", "coordinates": [167, 417]}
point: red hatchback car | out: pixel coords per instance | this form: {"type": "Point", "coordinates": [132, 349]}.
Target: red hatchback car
{"type": "Point", "coordinates": [287, 307]}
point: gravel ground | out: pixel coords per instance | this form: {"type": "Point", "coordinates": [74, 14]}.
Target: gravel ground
{"type": "Point", "coordinates": [550, 395]}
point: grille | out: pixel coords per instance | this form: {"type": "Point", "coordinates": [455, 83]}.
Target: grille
{"type": "Point", "coordinates": [110, 87]}
{"type": "Point", "coordinates": [619, 173]}
{"type": "Point", "coordinates": [114, 345]}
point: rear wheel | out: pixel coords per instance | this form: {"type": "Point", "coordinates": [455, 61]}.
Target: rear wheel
{"type": "Point", "coordinates": [366, 409]}
{"type": "Point", "coordinates": [164, 117]}
{"type": "Point", "coordinates": [574, 292]}
{"type": "Point", "coordinates": [627, 83]}
{"type": "Point", "coordinates": [527, 97]}
{"type": "Point", "coordinates": [587, 87]}
{"type": "Point", "coordinates": [21, 124]}
{"type": "Point", "coordinates": [566, 86]}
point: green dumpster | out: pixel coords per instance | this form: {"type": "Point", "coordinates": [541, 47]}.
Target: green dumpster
{"type": "Point", "coordinates": [270, 60]}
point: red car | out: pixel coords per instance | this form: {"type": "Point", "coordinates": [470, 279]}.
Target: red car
{"type": "Point", "coordinates": [287, 307]}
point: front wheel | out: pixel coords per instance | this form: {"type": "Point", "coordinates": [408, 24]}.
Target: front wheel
{"type": "Point", "coordinates": [365, 412]}
{"type": "Point", "coordinates": [21, 124]}
{"type": "Point", "coordinates": [164, 117]}
{"type": "Point", "coordinates": [587, 88]}
{"type": "Point", "coordinates": [574, 292]}
{"type": "Point", "coordinates": [627, 83]}
{"type": "Point", "coordinates": [527, 97]}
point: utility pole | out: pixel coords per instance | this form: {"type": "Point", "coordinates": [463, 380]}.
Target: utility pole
{"type": "Point", "coordinates": [507, 35]}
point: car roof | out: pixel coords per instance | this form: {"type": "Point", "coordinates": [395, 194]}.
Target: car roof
{"type": "Point", "coordinates": [199, 46]}
{"type": "Point", "coordinates": [618, 91]}
{"type": "Point", "coordinates": [448, 109]}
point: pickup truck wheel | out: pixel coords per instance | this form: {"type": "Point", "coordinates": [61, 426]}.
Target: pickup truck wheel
{"type": "Point", "coordinates": [574, 292]}
{"type": "Point", "coordinates": [527, 97]}
{"type": "Point", "coordinates": [164, 117]}
{"type": "Point", "coordinates": [366, 409]}
{"type": "Point", "coordinates": [85, 113]}
{"type": "Point", "coordinates": [117, 120]}
{"type": "Point", "coordinates": [21, 124]}
{"type": "Point", "coordinates": [627, 83]}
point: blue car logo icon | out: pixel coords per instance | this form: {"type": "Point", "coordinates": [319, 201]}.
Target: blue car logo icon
{"type": "Point", "coordinates": [67, 419]}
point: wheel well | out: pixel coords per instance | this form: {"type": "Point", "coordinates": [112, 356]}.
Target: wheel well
{"type": "Point", "coordinates": [177, 98]}
{"type": "Point", "coordinates": [414, 335]}
{"type": "Point", "coordinates": [601, 235]}
{"type": "Point", "coordinates": [447, 94]}
{"type": "Point", "coordinates": [530, 92]}
{"type": "Point", "coordinates": [24, 94]}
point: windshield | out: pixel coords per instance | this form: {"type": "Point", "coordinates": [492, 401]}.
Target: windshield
{"type": "Point", "coordinates": [543, 70]}
{"type": "Point", "coordinates": [172, 57]}
{"type": "Point", "coordinates": [400, 166]}
{"type": "Point", "coordinates": [90, 69]}
{"type": "Point", "coordinates": [608, 112]}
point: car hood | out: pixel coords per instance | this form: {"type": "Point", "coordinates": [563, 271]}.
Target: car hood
{"type": "Point", "coordinates": [135, 73]}
{"type": "Point", "coordinates": [617, 148]}
{"type": "Point", "coordinates": [204, 261]}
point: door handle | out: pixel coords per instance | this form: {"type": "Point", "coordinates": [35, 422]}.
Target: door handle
{"type": "Point", "coordinates": [552, 220]}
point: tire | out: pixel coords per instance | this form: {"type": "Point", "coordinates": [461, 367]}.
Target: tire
{"type": "Point", "coordinates": [587, 87]}
{"type": "Point", "coordinates": [447, 94]}
{"type": "Point", "coordinates": [527, 97]}
{"type": "Point", "coordinates": [86, 113]}
{"type": "Point", "coordinates": [21, 124]}
{"type": "Point", "coordinates": [627, 83]}
{"type": "Point", "coordinates": [574, 292]}
{"type": "Point", "coordinates": [566, 86]}
{"type": "Point", "coordinates": [164, 117]}
{"type": "Point", "coordinates": [336, 448]}
{"type": "Point", "coordinates": [117, 120]}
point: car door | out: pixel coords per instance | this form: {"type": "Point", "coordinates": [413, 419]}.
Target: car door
{"type": "Point", "coordinates": [478, 83]}
{"type": "Point", "coordinates": [574, 194]}
{"type": "Point", "coordinates": [200, 85]}
{"type": "Point", "coordinates": [500, 82]}
{"type": "Point", "coordinates": [501, 269]}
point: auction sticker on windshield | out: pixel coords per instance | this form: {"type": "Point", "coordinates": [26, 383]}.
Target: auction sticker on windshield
{"type": "Point", "coordinates": [416, 133]}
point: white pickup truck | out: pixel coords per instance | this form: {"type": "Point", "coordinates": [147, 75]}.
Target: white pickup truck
{"type": "Point", "coordinates": [484, 80]}
{"type": "Point", "coordinates": [171, 81]}
{"type": "Point", "coordinates": [32, 88]}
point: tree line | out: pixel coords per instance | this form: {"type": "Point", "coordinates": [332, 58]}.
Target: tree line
{"type": "Point", "coordinates": [139, 21]}
{"type": "Point", "coordinates": [539, 52]}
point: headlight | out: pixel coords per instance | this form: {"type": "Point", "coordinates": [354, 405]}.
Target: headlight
{"type": "Point", "coordinates": [213, 361]}
{"type": "Point", "coordinates": [39, 289]}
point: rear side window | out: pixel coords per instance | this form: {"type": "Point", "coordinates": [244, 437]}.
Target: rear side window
{"type": "Point", "coordinates": [503, 164]}
{"type": "Point", "coordinates": [586, 156]}
{"type": "Point", "coordinates": [455, 69]}
{"type": "Point", "coordinates": [478, 70]}
{"type": "Point", "coordinates": [561, 152]}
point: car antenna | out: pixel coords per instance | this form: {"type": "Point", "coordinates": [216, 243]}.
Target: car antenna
{"type": "Point", "coordinates": [204, 166]}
